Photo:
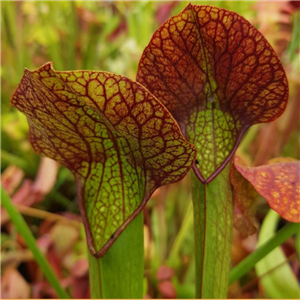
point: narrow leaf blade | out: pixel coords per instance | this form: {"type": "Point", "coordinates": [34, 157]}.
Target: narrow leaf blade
{"type": "Point", "coordinates": [276, 275]}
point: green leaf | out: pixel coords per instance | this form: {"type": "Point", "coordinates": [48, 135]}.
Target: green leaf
{"type": "Point", "coordinates": [278, 282]}
{"type": "Point", "coordinates": [218, 76]}
{"type": "Point", "coordinates": [249, 262]}
{"type": "Point", "coordinates": [111, 276]}
{"type": "Point", "coordinates": [118, 140]}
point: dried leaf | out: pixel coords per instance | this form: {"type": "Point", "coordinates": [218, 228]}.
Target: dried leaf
{"type": "Point", "coordinates": [11, 178]}
{"type": "Point", "coordinates": [164, 273]}
{"type": "Point", "coordinates": [13, 285]}
{"type": "Point", "coordinates": [25, 194]}
{"type": "Point", "coordinates": [30, 192]}
{"type": "Point", "coordinates": [80, 279]}
{"type": "Point", "coordinates": [46, 176]}
{"type": "Point", "coordinates": [279, 183]}
{"type": "Point", "coordinates": [46, 244]}
{"type": "Point", "coordinates": [167, 289]}
{"type": "Point", "coordinates": [164, 10]}
{"type": "Point", "coordinates": [275, 23]}
{"type": "Point", "coordinates": [244, 202]}
{"type": "Point", "coordinates": [43, 290]}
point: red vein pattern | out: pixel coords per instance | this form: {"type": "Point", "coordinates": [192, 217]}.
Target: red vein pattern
{"type": "Point", "coordinates": [278, 182]}
{"type": "Point", "coordinates": [119, 141]}
{"type": "Point", "coordinates": [217, 75]}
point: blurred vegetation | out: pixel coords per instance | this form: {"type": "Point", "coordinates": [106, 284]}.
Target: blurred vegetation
{"type": "Point", "coordinates": [111, 36]}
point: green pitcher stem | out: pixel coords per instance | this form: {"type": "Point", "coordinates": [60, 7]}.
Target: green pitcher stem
{"type": "Point", "coordinates": [119, 273]}
{"type": "Point", "coordinates": [213, 221]}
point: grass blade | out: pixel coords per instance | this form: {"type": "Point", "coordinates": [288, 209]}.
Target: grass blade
{"type": "Point", "coordinates": [23, 229]}
{"type": "Point", "coordinates": [249, 262]}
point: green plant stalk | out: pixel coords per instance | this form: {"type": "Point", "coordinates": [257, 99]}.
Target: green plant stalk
{"type": "Point", "coordinates": [280, 237]}
{"type": "Point", "coordinates": [12, 159]}
{"type": "Point", "coordinates": [23, 229]}
{"type": "Point", "coordinates": [119, 273]}
{"type": "Point", "coordinates": [276, 275]}
{"type": "Point", "coordinates": [187, 223]}
{"type": "Point", "coordinates": [213, 226]}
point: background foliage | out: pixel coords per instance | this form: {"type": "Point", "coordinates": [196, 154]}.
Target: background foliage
{"type": "Point", "coordinates": [111, 36]}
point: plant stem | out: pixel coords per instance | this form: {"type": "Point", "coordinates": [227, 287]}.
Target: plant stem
{"type": "Point", "coordinates": [213, 218]}
{"type": "Point", "coordinates": [22, 227]}
{"type": "Point", "coordinates": [187, 223]}
{"type": "Point", "coordinates": [11, 159]}
{"type": "Point", "coordinates": [94, 274]}
{"type": "Point", "coordinates": [119, 273]}
{"type": "Point", "coordinates": [281, 236]}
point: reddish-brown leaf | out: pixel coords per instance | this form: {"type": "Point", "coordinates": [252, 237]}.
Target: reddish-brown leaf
{"type": "Point", "coordinates": [11, 178]}
{"type": "Point", "coordinates": [164, 10]}
{"type": "Point", "coordinates": [218, 76]}
{"type": "Point", "coordinates": [164, 273]}
{"type": "Point", "coordinates": [296, 4]}
{"type": "Point", "coordinates": [275, 23]}
{"type": "Point", "coordinates": [167, 289]}
{"type": "Point", "coordinates": [80, 279]}
{"type": "Point", "coordinates": [278, 182]}
{"type": "Point", "coordinates": [244, 203]}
